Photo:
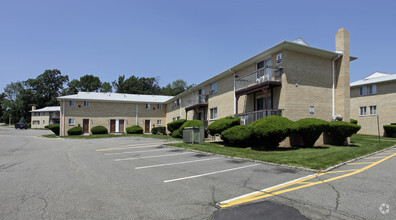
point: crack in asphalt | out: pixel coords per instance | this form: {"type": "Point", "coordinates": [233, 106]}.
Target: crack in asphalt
{"type": "Point", "coordinates": [334, 189]}
{"type": "Point", "coordinates": [45, 206]}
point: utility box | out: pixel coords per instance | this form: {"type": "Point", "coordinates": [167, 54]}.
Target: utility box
{"type": "Point", "coordinates": [194, 135]}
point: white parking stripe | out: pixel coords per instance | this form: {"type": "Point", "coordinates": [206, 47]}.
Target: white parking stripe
{"type": "Point", "coordinates": [206, 174]}
{"type": "Point", "coordinates": [169, 164]}
{"type": "Point", "coordinates": [140, 151]}
{"type": "Point", "coordinates": [124, 147]}
{"type": "Point", "coordinates": [165, 155]}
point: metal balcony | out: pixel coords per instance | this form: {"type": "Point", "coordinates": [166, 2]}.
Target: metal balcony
{"type": "Point", "coordinates": [249, 117]}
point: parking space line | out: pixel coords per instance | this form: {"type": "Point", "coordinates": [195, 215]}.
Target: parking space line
{"type": "Point", "coordinates": [368, 158]}
{"type": "Point", "coordinates": [163, 155]}
{"type": "Point", "coordinates": [129, 147]}
{"type": "Point", "coordinates": [211, 173]}
{"type": "Point", "coordinates": [360, 163]}
{"type": "Point", "coordinates": [176, 163]}
{"type": "Point", "coordinates": [341, 171]}
{"type": "Point", "coordinates": [131, 152]}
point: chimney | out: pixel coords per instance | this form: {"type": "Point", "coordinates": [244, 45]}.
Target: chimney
{"type": "Point", "coordinates": [342, 76]}
{"type": "Point", "coordinates": [33, 107]}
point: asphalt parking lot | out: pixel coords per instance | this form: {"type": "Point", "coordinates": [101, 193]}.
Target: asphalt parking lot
{"type": "Point", "coordinates": [141, 178]}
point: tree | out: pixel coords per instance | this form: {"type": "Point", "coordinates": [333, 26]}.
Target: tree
{"type": "Point", "coordinates": [16, 102]}
{"type": "Point", "coordinates": [89, 83]}
{"type": "Point", "coordinates": [137, 85]}
{"type": "Point", "coordinates": [2, 107]}
{"type": "Point", "coordinates": [177, 87]}
{"type": "Point", "coordinates": [106, 87]}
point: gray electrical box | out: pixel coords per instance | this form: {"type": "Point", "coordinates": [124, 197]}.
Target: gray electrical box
{"type": "Point", "coordinates": [194, 135]}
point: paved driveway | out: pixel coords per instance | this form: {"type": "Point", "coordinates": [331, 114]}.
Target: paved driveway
{"type": "Point", "coordinates": [126, 178]}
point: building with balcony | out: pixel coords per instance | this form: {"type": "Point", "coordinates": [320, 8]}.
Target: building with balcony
{"type": "Point", "coordinates": [45, 116]}
{"type": "Point", "coordinates": [373, 102]}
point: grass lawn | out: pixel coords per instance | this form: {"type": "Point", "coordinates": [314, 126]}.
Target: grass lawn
{"type": "Point", "coordinates": [318, 158]}
{"type": "Point", "coordinates": [112, 136]}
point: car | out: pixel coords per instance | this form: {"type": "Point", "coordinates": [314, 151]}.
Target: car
{"type": "Point", "coordinates": [20, 125]}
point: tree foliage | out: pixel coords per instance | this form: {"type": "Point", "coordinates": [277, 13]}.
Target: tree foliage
{"type": "Point", "coordinates": [87, 83]}
{"type": "Point", "coordinates": [137, 85]}
{"type": "Point", "coordinates": [174, 88]}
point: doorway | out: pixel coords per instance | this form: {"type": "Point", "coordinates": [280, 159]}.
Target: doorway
{"type": "Point", "coordinates": [117, 125]}
{"type": "Point", "coordinates": [147, 126]}
{"type": "Point", "coordinates": [86, 126]}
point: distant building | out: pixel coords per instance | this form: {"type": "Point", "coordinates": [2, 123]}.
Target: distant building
{"type": "Point", "coordinates": [45, 116]}
{"type": "Point", "coordinates": [374, 96]}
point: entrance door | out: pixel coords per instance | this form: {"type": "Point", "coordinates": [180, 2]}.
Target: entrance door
{"type": "Point", "coordinates": [112, 126]}
{"type": "Point", "coordinates": [86, 126]}
{"type": "Point", "coordinates": [121, 128]}
{"type": "Point", "coordinates": [147, 126]}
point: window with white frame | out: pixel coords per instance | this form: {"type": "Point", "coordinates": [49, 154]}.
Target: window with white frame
{"type": "Point", "coordinates": [372, 89]}
{"type": "Point", "coordinates": [173, 119]}
{"type": "Point", "coordinates": [159, 106]}
{"type": "Point", "coordinates": [373, 110]}
{"type": "Point", "coordinates": [72, 103]}
{"type": "Point", "coordinates": [363, 111]}
{"type": "Point", "coordinates": [36, 113]}
{"type": "Point", "coordinates": [86, 103]}
{"type": "Point", "coordinates": [213, 88]}
{"type": "Point", "coordinates": [159, 122]}
{"type": "Point", "coordinates": [36, 122]}
{"type": "Point", "coordinates": [71, 121]}
{"type": "Point", "coordinates": [363, 90]}
{"type": "Point", "coordinates": [148, 106]}
{"type": "Point", "coordinates": [213, 113]}
{"type": "Point", "coordinates": [178, 118]}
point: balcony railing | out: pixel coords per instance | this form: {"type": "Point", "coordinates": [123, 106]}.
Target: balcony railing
{"type": "Point", "coordinates": [175, 107]}
{"type": "Point", "coordinates": [53, 116]}
{"type": "Point", "coordinates": [196, 100]}
{"type": "Point", "coordinates": [257, 77]}
{"type": "Point", "coordinates": [249, 117]}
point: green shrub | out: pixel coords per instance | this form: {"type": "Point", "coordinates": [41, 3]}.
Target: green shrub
{"type": "Point", "coordinates": [175, 125]}
{"type": "Point", "coordinates": [135, 129]}
{"type": "Point", "coordinates": [99, 130]}
{"type": "Point", "coordinates": [54, 128]}
{"type": "Point", "coordinates": [310, 129]}
{"type": "Point", "coordinates": [271, 130]}
{"type": "Point", "coordinates": [390, 130]}
{"type": "Point", "coordinates": [190, 123]}
{"type": "Point", "coordinates": [29, 125]}
{"type": "Point", "coordinates": [223, 124]}
{"type": "Point", "coordinates": [353, 121]}
{"type": "Point", "coordinates": [238, 136]}
{"type": "Point", "coordinates": [158, 130]}
{"type": "Point", "coordinates": [75, 131]}
{"type": "Point", "coordinates": [338, 131]}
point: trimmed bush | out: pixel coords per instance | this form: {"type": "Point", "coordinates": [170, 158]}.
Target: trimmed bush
{"type": "Point", "coordinates": [223, 124]}
{"type": "Point", "coordinates": [190, 123]}
{"type": "Point", "coordinates": [54, 128]}
{"type": "Point", "coordinates": [338, 131]}
{"type": "Point", "coordinates": [135, 129]}
{"type": "Point", "coordinates": [158, 130]}
{"type": "Point", "coordinates": [390, 130]}
{"type": "Point", "coordinates": [99, 130]}
{"type": "Point", "coordinates": [29, 125]}
{"type": "Point", "coordinates": [309, 129]}
{"type": "Point", "coordinates": [75, 131]}
{"type": "Point", "coordinates": [269, 131]}
{"type": "Point", "coordinates": [175, 125]}
{"type": "Point", "coordinates": [238, 136]}
{"type": "Point", "coordinates": [353, 121]}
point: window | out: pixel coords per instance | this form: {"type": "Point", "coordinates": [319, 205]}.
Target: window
{"type": "Point", "coordinates": [363, 111]}
{"type": "Point", "coordinates": [43, 122]}
{"type": "Point", "coordinates": [373, 110]}
{"type": "Point", "coordinates": [213, 113]}
{"type": "Point", "coordinates": [71, 103]}
{"type": "Point", "coordinates": [36, 113]}
{"type": "Point", "coordinates": [36, 122]}
{"type": "Point", "coordinates": [372, 89]}
{"type": "Point", "coordinates": [71, 121]}
{"type": "Point", "coordinates": [148, 106]}
{"type": "Point", "coordinates": [86, 103]}
{"type": "Point", "coordinates": [178, 102]}
{"type": "Point", "coordinates": [178, 118]}
{"type": "Point", "coordinates": [213, 88]}
{"type": "Point", "coordinates": [159, 106]}
{"type": "Point", "coordinates": [159, 122]}
{"type": "Point", "coordinates": [363, 90]}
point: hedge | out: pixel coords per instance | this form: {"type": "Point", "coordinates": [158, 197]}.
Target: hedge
{"type": "Point", "coordinates": [309, 130]}
{"type": "Point", "coordinates": [29, 125]}
{"type": "Point", "coordinates": [158, 130]}
{"type": "Point", "coordinates": [54, 128]}
{"type": "Point", "coordinates": [390, 130]}
{"type": "Point", "coordinates": [190, 123]}
{"type": "Point", "coordinates": [135, 129]}
{"type": "Point", "coordinates": [338, 131]}
{"type": "Point", "coordinates": [223, 124]}
{"type": "Point", "coordinates": [269, 131]}
{"type": "Point", "coordinates": [237, 136]}
{"type": "Point", "coordinates": [75, 131]}
{"type": "Point", "coordinates": [99, 130]}
{"type": "Point", "coordinates": [353, 121]}
{"type": "Point", "coordinates": [175, 125]}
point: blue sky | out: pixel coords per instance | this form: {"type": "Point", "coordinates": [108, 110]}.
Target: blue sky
{"type": "Point", "coordinates": [190, 40]}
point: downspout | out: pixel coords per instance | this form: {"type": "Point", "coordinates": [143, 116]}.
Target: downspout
{"type": "Point", "coordinates": [234, 91]}
{"type": "Point", "coordinates": [137, 112]}
{"type": "Point", "coordinates": [333, 88]}
{"type": "Point", "coordinates": [63, 117]}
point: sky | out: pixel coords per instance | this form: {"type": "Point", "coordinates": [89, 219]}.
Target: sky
{"type": "Point", "coordinates": [182, 39]}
